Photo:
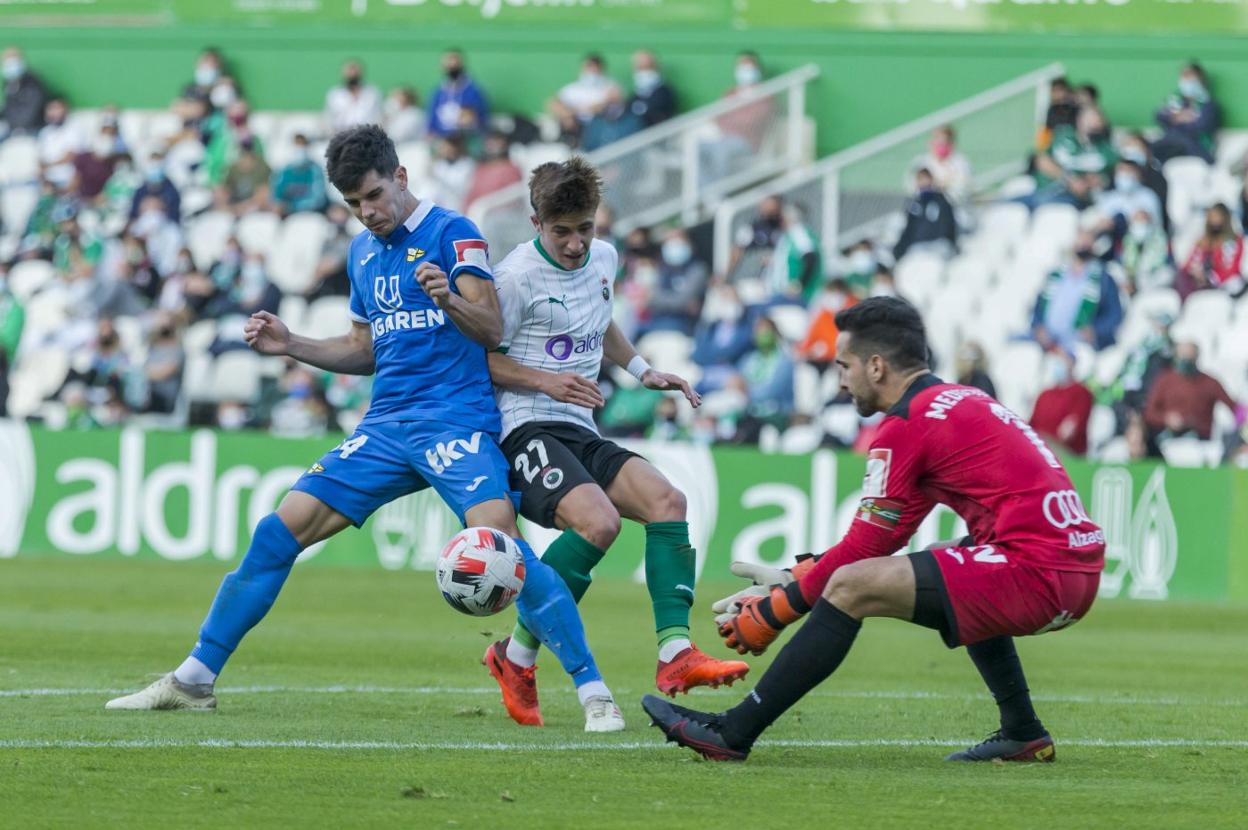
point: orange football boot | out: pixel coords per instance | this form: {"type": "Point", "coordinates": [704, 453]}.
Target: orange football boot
{"type": "Point", "coordinates": [518, 685]}
{"type": "Point", "coordinates": [692, 668]}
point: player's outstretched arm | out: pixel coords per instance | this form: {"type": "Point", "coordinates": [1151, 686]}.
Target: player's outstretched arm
{"type": "Point", "coordinates": [618, 350]}
{"type": "Point", "coordinates": [474, 310]}
{"type": "Point", "coordinates": [350, 354]}
{"type": "Point", "coordinates": [567, 387]}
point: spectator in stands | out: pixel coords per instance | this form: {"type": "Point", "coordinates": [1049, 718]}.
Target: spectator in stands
{"type": "Point", "coordinates": [252, 290]}
{"type": "Point", "coordinates": [859, 263]}
{"type": "Point", "coordinates": [667, 426]}
{"type": "Point", "coordinates": [1190, 118]}
{"type": "Point", "coordinates": [765, 374]}
{"type": "Point", "coordinates": [210, 297]}
{"type": "Point", "coordinates": [1082, 150]}
{"type": "Point", "coordinates": [233, 416]}
{"type": "Point", "coordinates": [761, 235]}
{"type": "Point", "coordinates": [209, 67]}
{"type": "Point", "coordinates": [78, 415]}
{"type": "Point", "coordinates": [1217, 260]}
{"type": "Point", "coordinates": [458, 105]}
{"type": "Point", "coordinates": [931, 226]}
{"type": "Point", "coordinates": [59, 141]}
{"type": "Point", "coordinates": [107, 366]}
{"type": "Point", "coordinates": [796, 267]}
{"type": "Point", "coordinates": [402, 116]}
{"type": "Point", "coordinates": [1144, 255]}
{"type": "Point", "coordinates": [452, 172]}
{"type": "Point", "coordinates": [1063, 409]}
{"type": "Point", "coordinates": [1062, 112]}
{"type": "Point", "coordinates": [883, 282]}
{"type": "Point", "coordinates": [156, 183]}
{"type": "Point", "coordinates": [161, 236]}
{"type": "Point", "coordinates": [25, 98]}
{"type": "Point", "coordinates": [1144, 363]}
{"type": "Point", "coordinates": [12, 321]}
{"type": "Point", "coordinates": [1079, 302]}
{"type": "Point", "coordinates": [972, 368]}
{"type": "Point", "coordinates": [173, 296]}
{"type": "Point", "coordinates": [640, 257]}
{"type": "Point", "coordinates": [742, 129]}
{"type": "Point", "coordinates": [1181, 402]}
{"type": "Point", "coordinates": [94, 166]}
{"type": "Point", "coordinates": [653, 100]}
{"type": "Point", "coordinates": [303, 412]}
{"type": "Point", "coordinates": [353, 102]}
{"type": "Point", "coordinates": [676, 300]}
{"type": "Point", "coordinates": [300, 184]}
{"type": "Point", "coordinates": [494, 171]}
{"type": "Point", "coordinates": [246, 185]}
{"type": "Point", "coordinates": [75, 253]}
{"type": "Point", "coordinates": [226, 143]}
{"type": "Point", "coordinates": [330, 277]}
{"type": "Point", "coordinates": [1116, 207]}
{"type": "Point", "coordinates": [949, 168]}
{"type": "Point", "coordinates": [163, 366]}
{"type": "Point", "coordinates": [1135, 148]}
{"type": "Point", "coordinates": [579, 101]}
{"type": "Point", "coordinates": [818, 347]}
{"type": "Point", "coordinates": [723, 337]}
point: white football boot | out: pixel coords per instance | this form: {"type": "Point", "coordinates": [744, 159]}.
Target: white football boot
{"type": "Point", "coordinates": [602, 715]}
{"type": "Point", "coordinates": [168, 693]}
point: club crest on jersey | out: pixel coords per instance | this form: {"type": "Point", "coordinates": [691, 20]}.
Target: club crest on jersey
{"type": "Point", "coordinates": [414, 254]}
{"type": "Point", "coordinates": [387, 295]}
{"type": "Point", "coordinates": [606, 292]}
{"type": "Point", "coordinates": [882, 513]}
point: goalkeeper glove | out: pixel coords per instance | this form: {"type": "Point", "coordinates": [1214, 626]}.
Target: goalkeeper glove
{"type": "Point", "coordinates": [761, 619]}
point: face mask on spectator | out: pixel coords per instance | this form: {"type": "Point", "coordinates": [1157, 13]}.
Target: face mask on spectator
{"type": "Point", "coordinates": [1056, 370]}
{"type": "Point", "coordinates": [676, 252]}
{"type": "Point", "coordinates": [253, 272]}
{"type": "Point", "coordinates": [184, 264]}
{"type": "Point", "coordinates": [147, 222]}
{"type": "Point", "coordinates": [155, 174]}
{"type": "Point", "coordinates": [222, 96]}
{"type": "Point", "coordinates": [722, 308]}
{"type": "Point", "coordinates": [232, 418]}
{"type": "Point", "coordinates": [206, 74]}
{"type": "Point", "coordinates": [1191, 88]}
{"type": "Point", "coordinates": [1084, 254]}
{"type": "Point", "coordinates": [1139, 230]}
{"type": "Point", "coordinates": [300, 390]}
{"type": "Point", "coordinates": [882, 288]}
{"type": "Point", "coordinates": [299, 155]}
{"type": "Point", "coordinates": [1185, 367]}
{"type": "Point", "coordinates": [103, 145]}
{"type": "Point", "coordinates": [13, 69]}
{"type": "Point", "coordinates": [1135, 154]}
{"type": "Point", "coordinates": [455, 73]}
{"type": "Point", "coordinates": [646, 80]}
{"type": "Point", "coordinates": [748, 74]}
{"type": "Point", "coordinates": [941, 149]}
{"type": "Point", "coordinates": [1125, 182]}
{"type": "Point", "coordinates": [862, 262]}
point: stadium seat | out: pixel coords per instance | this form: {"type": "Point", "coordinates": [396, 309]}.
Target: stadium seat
{"type": "Point", "coordinates": [793, 321]}
{"type": "Point", "coordinates": [1232, 148]}
{"type": "Point", "coordinates": [17, 202]}
{"type": "Point", "coordinates": [236, 377]}
{"type": "Point", "coordinates": [806, 393]}
{"type": "Point", "coordinates": [919, 276]}
{"type": "Point", "coordinates": [206, 236]}
{"type": "Point", "coordinates": [1212, 309]}
{"type": "Point", "coordinates": [1115, 451]}
{"type": "Point", "coordinates": [292, 311]}
{"type": "Point", "coordinates": [1109, 363]}
{"type": "Point", "coordinates": [530, 156]}
{"type": "Point", "coordinates": [327, 317]}
{"type": "Point", "coordinates": [197, 377]}
{"type": "Point", "coordinates": [19, 160]}
{"type": "Point", "coordinates": [29, 276]}
{"type": "Point", "coordinates": [1102, 424]}
{"type": "Point", "coordinates": [256, 231]}
{"type": "Point", "coordinates": [751, 291]}
{"type": "Point", "coordinates": [199, 336]}
{"type": "Point", "coordinates": [665, 346]}
{"type": "Point", "coordinates": [195, 200]}
{"type": "Point", "coordinates": [1190, 452]}
{"type": "Point", "coordinates": [1056, 225]}
{"type": "Point", "coordinates": [801, 439]}
{"type": "Point", "coordinates": [1017, 375]}
{"type": "Point", "coordinates": [417, 158]}
{"type": "Point", "coordinates": [1001, 225]}
{"type": "Point", "coordinates": [842, 422]}
{"type": "Point", "coordinates": [971, 272]}
{"type": "Point", "coordinates": [1188, 178]}
{"type": "Point", "coordinates": [293, 258]}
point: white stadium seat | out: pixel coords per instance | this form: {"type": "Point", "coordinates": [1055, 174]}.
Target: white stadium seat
{"type": "Point", "coordinates": [662, 346]}
{"type": "Point", "coordinates": [206, 236]}
{"type": "Point", "coordinates": [292, 260]}
{"type": "Point", "coordinates": [27, 277]}
{"type": "Point", "coordinates": [236, 376]}
{"type": "Point", "coordinates": [19, 160]}
{"type": "Point", "coordinates": [256, 231]}
{"type": "Point", "coordinates": [793, 321]}
{"type": "Point", "coordinates": [1188, 180]}
{"type": "Point", "coordinates": [327, 317]}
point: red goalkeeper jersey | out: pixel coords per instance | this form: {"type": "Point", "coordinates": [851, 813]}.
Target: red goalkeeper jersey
{"type": "Point", "coordinates": [957, 446]}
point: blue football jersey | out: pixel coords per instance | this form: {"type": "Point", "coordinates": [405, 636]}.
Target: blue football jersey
{"type": "Point", "coordinates": [427, 369]}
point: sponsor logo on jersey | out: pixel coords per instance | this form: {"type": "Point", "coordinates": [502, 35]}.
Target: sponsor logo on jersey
{"type": "Point", "coordinates": [414, 254]}
{"type": "Point", "coordinates": [561, 346]}
{"type": "Point", "coordinates": [386, 294]}
{"type": "Point", "coordinates": [881, 513]}
{"type": "Point", "coordinates": [365, 260]}
{"type": "Point", "coordinates": [1064, 508]}
{"type": "Point", "coordinates": [472, 252]}
{"type": "Point", "coordinates": [443, 455]}
{"type": "Point", "coordinates": [421, 318]}
{"type": "Point", "coordinates": [875, 484]}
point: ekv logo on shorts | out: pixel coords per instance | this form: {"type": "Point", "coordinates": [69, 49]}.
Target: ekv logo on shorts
{"type": "Point", "coordinates": [443, 455]}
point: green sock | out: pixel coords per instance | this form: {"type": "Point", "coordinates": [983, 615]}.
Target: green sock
{"type": "Point", "coordinates": [670, 564]}
{"type": "Point", "coordinates": [573, 558]}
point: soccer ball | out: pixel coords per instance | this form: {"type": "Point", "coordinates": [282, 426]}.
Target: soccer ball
{"type": "Point", "coordinates": [480, 571]}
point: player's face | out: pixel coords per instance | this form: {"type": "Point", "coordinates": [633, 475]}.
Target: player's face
{"type": "Point", "coordinates": [378, 201]}
{"type": "Point", "coordinates": [567, 238]}
{"type": "Point", "coordinates": [854, 377]}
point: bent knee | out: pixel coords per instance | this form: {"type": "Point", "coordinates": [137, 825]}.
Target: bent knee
{"type": "Point", "coordinates": [669, 505]}
{"type": "Point", "coordinates": [851, 588]}
{"type": "Point", "coordinates": [600, 528]}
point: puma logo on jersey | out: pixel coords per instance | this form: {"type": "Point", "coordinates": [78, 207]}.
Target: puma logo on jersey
{"type": "Point", "coordinates": [444, 455]}
{"type": "Point", "coordinates": [558, 301]}
{"type": "Point", "coordinates": [365, 260]}
{"type": "Point", "coordinates": [476, 482]}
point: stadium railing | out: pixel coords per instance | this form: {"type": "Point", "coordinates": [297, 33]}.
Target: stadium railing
{"type": "Point", "coordinates": [853, 193]}
{"type": "Point", "coordinates": [684, 166]}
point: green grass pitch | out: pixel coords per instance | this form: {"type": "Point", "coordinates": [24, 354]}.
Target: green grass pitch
{"type": "Point", "coordinates": [360, 702]}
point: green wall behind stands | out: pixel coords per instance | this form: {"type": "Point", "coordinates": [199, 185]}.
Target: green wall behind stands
{"type": "Point", "coordinates": [870, 81]}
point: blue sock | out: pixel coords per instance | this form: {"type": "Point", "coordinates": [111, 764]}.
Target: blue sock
{"type": "Point", "coordinates": [247, 593]}
{"type": "Point", "coordinates": [547, 609]}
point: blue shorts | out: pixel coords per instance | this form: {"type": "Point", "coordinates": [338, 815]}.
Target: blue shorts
{"type": "Point", "coordinates": [382, 462]}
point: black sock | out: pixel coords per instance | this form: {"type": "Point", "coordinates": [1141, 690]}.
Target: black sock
{"type": "Point", "coordinates": [815, 651]}
{"type": "Point", "coordinates": [997, 661]}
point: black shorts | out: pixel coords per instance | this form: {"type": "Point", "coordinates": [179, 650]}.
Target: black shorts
{"type": "Point", "coordinates": [548, 458]}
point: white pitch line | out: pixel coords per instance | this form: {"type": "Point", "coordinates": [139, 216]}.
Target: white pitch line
{"type": "Point", "coordinates": [578, 746]}
{"type": "Point", "coordinates": [491, 690]}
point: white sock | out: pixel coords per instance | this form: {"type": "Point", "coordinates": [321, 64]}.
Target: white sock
{"type": "Point", "coordinates": [521, 655]}
{"type": "Point", "coordinates": [594, 688]}
{"type": "Point", "coordinates": [669, 650]}
{"type": "Point", "coordinates": [194, 673]}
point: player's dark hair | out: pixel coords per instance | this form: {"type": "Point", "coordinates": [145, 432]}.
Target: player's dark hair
{"type": "Point", "coordinates": [355, 151]}
{"type": "Point", "coordinates": [889, 327]}
{"type": "Point", "coordinates": [564, 188]}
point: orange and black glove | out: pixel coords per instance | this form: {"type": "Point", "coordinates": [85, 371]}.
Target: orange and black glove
{"type": "Point", "coordinates": [761, 619]}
